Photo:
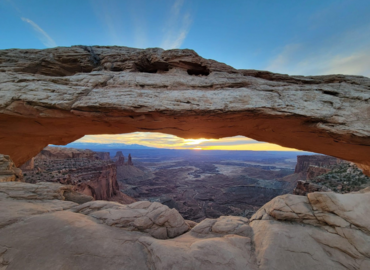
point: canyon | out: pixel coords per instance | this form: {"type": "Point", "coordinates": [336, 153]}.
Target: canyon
{"type": "Point", "coordinates": [197, 184]}
{"type": "Point", "coordinates": [58, 95]}
{"type": "Point", "coordinates": [203, 186]}
{"type": "Point", "coordinates": [323, 230]}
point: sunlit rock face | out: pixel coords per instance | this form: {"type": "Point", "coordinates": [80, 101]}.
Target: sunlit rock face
{"type": "Point", "coordinates": [58, 95]}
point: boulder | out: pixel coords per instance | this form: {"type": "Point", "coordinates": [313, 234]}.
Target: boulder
{"type": "Point", "coordinates": [153, 218]}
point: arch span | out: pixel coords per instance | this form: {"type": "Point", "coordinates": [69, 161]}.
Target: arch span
{"type": "Point", "coordinates": [56, 96]}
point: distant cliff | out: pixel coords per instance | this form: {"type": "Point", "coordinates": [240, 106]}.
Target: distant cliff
{"type": "Point", "coordinates": [324, 173]}
{"type": "Point", "coordinates": [92, 173]}
{"type": "Point", "coordinates": [304, 162]}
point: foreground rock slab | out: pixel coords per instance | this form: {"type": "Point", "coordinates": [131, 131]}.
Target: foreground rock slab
{"type": "Point", "coordinates": [154, 218]}
{"type": "Point", "coordinates": [39, 230]}
{"type": "Point", "coordinates": [58, 95]}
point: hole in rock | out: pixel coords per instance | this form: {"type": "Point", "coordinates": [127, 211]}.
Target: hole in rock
{"type": "Point", "coordinates": [146, 66]}
{"type": "Point", "coordinates": [331, 93]}
{"type": "Point", "coordinates": [201, 178]}
{"type": "Point", "coordinates": [204, 72]}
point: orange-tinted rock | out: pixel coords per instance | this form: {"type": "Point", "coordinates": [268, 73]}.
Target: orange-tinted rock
{"type": "Point", "coordinates": [58, 95]}
{"type": "Point", "coordinates": [29, 165]}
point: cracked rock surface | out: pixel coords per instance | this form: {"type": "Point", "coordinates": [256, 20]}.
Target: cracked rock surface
{"type": "Point", "coordinates": [55, 96]}
{"type": "Point", "coordinates": [153, 218]}
{"type": "Point", "coordinates": [40, 230]}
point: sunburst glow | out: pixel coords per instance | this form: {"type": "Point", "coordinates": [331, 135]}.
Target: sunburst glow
{"type": "Point", "coordinates": [160, 140]}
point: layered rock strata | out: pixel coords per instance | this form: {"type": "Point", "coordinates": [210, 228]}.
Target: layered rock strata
{"type": "Point", "coordinates": [56, 96]}
{"type": "Point", "coordinates": [8, 171]}
{"type": "Point", "coordinates": [304, 162]}
{"type": "Point", "coordinates": [40, 230]}
{"type": "Point", "coordinates": [52, 153]}
{"type": "Point", "coordinates": [81, 168]}
{"type": "Point", "coordinates": [321, 173]}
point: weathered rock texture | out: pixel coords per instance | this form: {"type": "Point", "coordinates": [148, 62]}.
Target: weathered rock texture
{"type": "Point", "coordinates": [51, 153]}
{"type": "Point", "coordinates": [58, 95]}
{"type": "Point", "coordinates": [306, 161]}
{"type": "Point", "coordinates": [83, 169]}
{"type": "Point", "coordinates": [40, 230]}
{"type": "Point", "coordinates": [154, 218]}
{"type": "Point", "coordinates": [324, 173]}
{"type": "Point", "coordinates": [303, 188]}
{"type": "Point", "coordinates": [8, 171]}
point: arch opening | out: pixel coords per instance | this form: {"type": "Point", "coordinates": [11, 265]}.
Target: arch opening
{"type": "Point", "coordinates": [201, 178]}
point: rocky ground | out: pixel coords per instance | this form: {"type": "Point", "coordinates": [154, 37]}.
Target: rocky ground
{"type": "Point", "coordinates": [39, 229]}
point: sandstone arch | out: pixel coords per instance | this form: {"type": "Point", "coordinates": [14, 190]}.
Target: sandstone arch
{"type": "Point", "coordinates": [56, 96]}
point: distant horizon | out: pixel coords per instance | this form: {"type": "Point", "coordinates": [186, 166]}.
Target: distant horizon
{"type": "Point", "coordinates": [123, 146]}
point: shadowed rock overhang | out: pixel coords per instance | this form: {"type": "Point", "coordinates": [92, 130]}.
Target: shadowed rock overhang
{"type": "Point", "coordinates": [55, 96]}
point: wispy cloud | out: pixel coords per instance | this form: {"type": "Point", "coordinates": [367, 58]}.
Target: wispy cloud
{"type": "Point", "coordinates": [43, 36]}
{"type": "Point", "coordinates": [284, 58]}
{"type": "Point", "coordinates": [357, 63]}
{"type": "Point", "coordinates": [348, 53]}
{"type": "Point", "coordinates": [177, 26]}
{"type": "Point", "coordinates": [111, 17]}
{"type": "Point", "coordinates": [350, 63]}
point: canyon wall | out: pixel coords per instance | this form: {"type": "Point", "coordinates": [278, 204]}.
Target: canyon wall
{"type": "Point", "coordinates": [304, 162]}
{"type": "Point", "coordinates": [83, 169]}
{"type": "Point", "coordinates": [58, 95]}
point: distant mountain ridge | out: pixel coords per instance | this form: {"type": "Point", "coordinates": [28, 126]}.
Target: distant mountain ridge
{"type": "Point", "coordinates": [97, 146]}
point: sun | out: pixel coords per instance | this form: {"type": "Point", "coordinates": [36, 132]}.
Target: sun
{"type": "Point", "coordinates": [196, 141]}
{"type": "Point", "coordinates": [197, 148]}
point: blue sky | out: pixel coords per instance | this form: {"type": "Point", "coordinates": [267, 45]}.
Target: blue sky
{"type": "Point", "coordinates": [294, 37]}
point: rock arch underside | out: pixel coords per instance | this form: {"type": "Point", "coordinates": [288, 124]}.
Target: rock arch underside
{"type": "Point", "coordinates": [55, 96]}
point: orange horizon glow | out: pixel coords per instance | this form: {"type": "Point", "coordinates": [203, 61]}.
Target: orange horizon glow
{"type": "Point", "coordinates": [161, 140]}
